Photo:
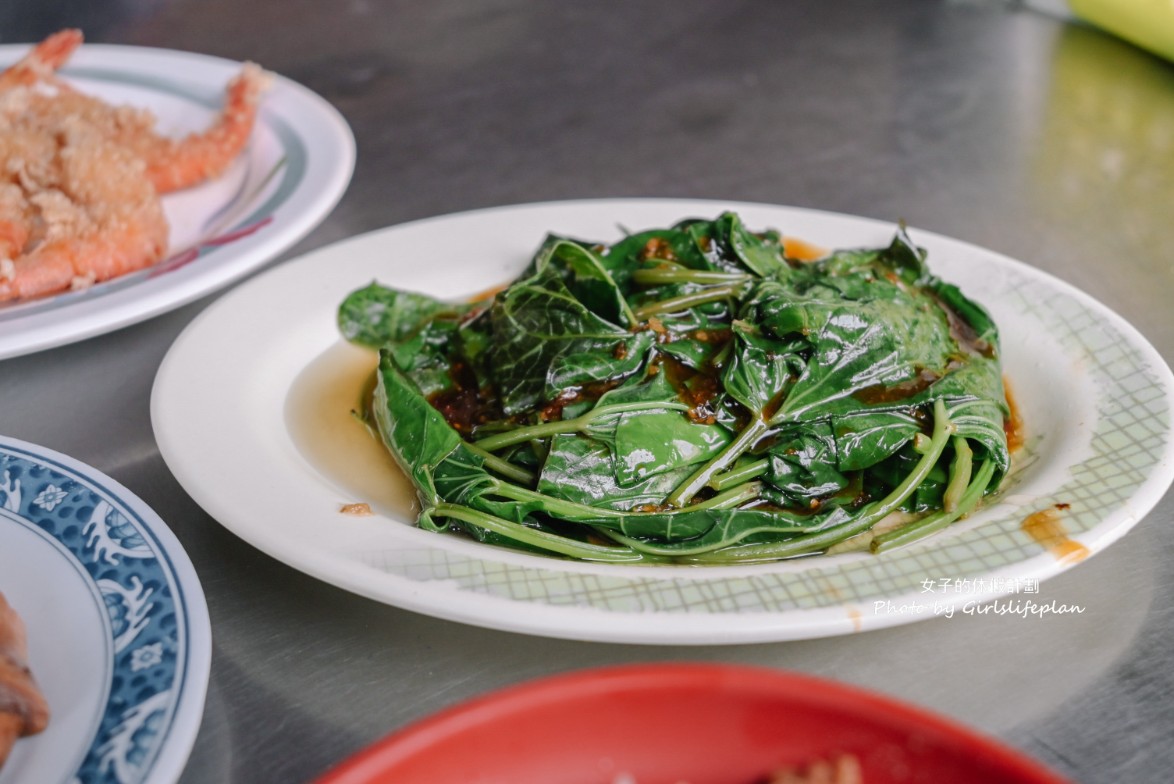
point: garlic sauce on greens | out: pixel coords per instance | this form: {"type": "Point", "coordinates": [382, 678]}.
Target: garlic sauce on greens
{"type": "Point", "coordinates": [692, 395]}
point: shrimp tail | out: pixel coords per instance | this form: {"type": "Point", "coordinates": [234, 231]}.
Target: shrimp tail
{"type": "Point", "coordinates": [41, 63]}
{"type": "Point", "coordinates": [173, 165]}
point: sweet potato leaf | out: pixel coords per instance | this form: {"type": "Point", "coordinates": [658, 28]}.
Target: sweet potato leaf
{"type": "Point", "coordinates": [375, 315]}
{"type": "Point", "coordinates": [542, 336]}
{"type": "Point", "coordinates": [415, 433]}
{"type": "Point", "coordinates": [689, 394]}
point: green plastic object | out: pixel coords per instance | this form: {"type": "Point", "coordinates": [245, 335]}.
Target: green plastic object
{"type": "Point", "coordinates": [1146, 23]}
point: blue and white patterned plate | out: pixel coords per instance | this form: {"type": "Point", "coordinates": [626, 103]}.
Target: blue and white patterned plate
{"type": "Point", "coordinates": [297, 165]}
{"type": "Point", "coordinates": [1096, 401]}
{"type": "Point", "coordinates": [119, 638]}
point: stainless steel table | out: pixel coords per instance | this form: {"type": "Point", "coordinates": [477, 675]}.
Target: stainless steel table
{"type": "Point", "coordinates": [1042, 139]}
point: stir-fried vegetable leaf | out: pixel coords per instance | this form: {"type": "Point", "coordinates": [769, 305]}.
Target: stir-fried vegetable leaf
{"type": "Point", "coordinates": [690, 394]}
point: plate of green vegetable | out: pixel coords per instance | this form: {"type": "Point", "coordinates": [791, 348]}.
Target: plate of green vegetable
{"type": "Point", "coordinates": [667, 421]}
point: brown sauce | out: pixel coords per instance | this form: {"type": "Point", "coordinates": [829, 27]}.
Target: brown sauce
{"type": "Point", "coordinates": [1013, 423]}
{"type": "Point", "coordinates": [488, 294]}
{"type": "Point", "coordinates": [553, 410]}
{"type": "Point", "coordinates": [878, 394]}
{"type": "Point", "coordinates": [801, 250]}
{"type": "Point", "coordinates": [1047, 529]}
{"type": "Point", "coordinates": [695, 388]}
{"type": "Point", "coordinates": [657, 248]}
{"type": "Point", "coordinates": [465, 405]}
{"type": "Point", "coordinates": [339, 446]}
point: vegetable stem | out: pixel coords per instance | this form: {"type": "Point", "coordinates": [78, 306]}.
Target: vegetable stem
{"type": "Point", "coordinates": [535, 537]}
{"type": "Point", "coordinates": [545, 429]}
{"type": "Point", "coordinates": [582, 512]}
{"type": "Point", "coordinates": [740, 474]}
{"type": "Point", "coordinates": [745, 440]}
{"type": "Point", "coordinates": [939, 520]}
{"type": "Point", "coordinates": [503, 467]}
{"type": "Point", "coordinates": [559, 507]}
{"type": "Point", "coordinates": [801, 545]}
{"type": "Point", "coordinates": [653, 277]}
{"type": "Point", "coordinates": [730, 499]}
{"type": "Point", "coordinates": [960, 471]}
{"type": "Point", "coordinates": [686, 301]}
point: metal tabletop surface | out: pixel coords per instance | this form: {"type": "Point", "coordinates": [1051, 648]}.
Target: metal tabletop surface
{"type": "Point", "coordinates": [1032, 135]}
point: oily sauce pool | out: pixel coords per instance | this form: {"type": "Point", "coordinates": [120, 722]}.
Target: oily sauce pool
{"type": "Point", "coordinates": [318, 414]}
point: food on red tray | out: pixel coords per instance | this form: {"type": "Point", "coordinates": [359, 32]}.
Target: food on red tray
{"type": "Point", "coordinates": [23, 710]}
{"type": "Point", "coordinates": [80, 179]}
{"type": "Point", "coordinates": [842, 769]}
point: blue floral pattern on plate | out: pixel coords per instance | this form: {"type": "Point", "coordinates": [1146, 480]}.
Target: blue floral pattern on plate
{"type": "Point", "coordinates": [131, 559]}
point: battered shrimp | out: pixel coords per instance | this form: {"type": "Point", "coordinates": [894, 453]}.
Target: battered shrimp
{"type": "Point", "coordinates": [87, 214]}
{"type": "Point", "coordinates": [80, 179]}
{"type": "Point", "coordinates": [171, 164]}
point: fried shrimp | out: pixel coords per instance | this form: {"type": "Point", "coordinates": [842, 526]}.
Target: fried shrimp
{"type": "Point", "coordinates": [171, 164]}
{"type": "Point", "coordinates": [80, 179]}
{"type": "Point", "coordinates": [78, 206]}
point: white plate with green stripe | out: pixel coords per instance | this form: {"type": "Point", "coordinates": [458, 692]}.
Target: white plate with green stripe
{"type": "Point", "coordinates": [295, 169]}
{"type": "Point", "coordinates": [252, 416]}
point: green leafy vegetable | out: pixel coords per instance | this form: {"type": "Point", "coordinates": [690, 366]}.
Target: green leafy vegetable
{"type": "Point", "coordinates": [692, 395]}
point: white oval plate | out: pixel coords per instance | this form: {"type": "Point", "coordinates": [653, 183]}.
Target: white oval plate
{"type": "Point", "coordinates": [295, 169]}
{"type": "Point", "coordinates": [1096, 398]}
{"type": "Point", "coordinates": [119, 639]}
